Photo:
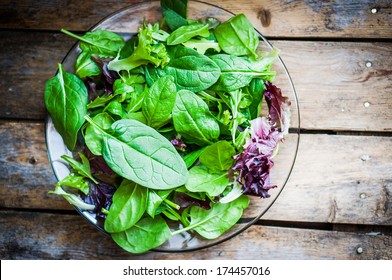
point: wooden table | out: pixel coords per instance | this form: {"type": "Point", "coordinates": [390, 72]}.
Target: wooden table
{"type": "Point", "coordinates": [338, 201]}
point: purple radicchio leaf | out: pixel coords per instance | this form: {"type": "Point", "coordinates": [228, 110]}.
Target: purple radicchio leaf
{"type": "Point", "coordinates": [184, 201]}
{"type": "Point", "coordinates": [100, 195]}
{"type": "Point", "coordinates": [255, 162]}
{"type": "Point", "coordinates": [110, 76]}
{"type": "Point", "coordinates": [278, 106]}
{"type": "Point", "coordinates": [178, 144]}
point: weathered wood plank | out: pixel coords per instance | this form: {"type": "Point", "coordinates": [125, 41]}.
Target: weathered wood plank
{"type": "Point", "coordinates": [333, 83]}
{"type": "Point", "coordinates": [336, 179]}
{"type": "Point", "coordinates": [312, 19]}
{"type": "Point", "coordinates": [27, 235]}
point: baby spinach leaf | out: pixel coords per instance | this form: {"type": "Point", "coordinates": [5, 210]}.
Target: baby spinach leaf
{"type": "Point", "coordinates": [146, 234]}
{"type": "Point", "coordinates": [175, 12]}
{"type": "Point", "coordinates": [202, 180]}
{"type": "Point", "coordinates": [139, 153]}
{"type": "Point", "coordinates": [155, 199]}
{"type": "Point", "coordinates": [190, 69]}
{"type": "Point", "coordinates": [237, 36]}
{"type": "Point", "coordinates": [66, 100]}
{"type": "Point", "coordinates": [93, 137]}
{"type": "Point", "coordinates": [238, 72]}
{"type": "Point", "coordinates": [158, 104]}
{"type": "Point", "coordinates": [102, 42]}
{"type": "Point", "coordinates": [214, 222]}
{"type": "Point", "coordinates": [186, 32]}
{"type": "Point", "coordinates": [218, 156]}
{"type": "Point", "coordinates": [192, 157]}
{"type": "Point", "coordinates": [193, 119]}
{"type": "Point", "coordinates": [128, 206]}
{"type": "Point", "coordinates": [85, 66]}
{"type": "Point", "coordinates": [256, 91]}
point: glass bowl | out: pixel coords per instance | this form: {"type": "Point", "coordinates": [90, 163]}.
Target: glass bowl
{"type": "Point", "coordinates": [126, 22]}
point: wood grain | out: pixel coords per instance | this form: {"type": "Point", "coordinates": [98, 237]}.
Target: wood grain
{"type": "Point", "coordinates": [336, 179]}
{"type": "Point", "coordinates": [332, 80]}
{"type": "Point", "coordinates": [27, 235]}
{"type": "Point", "coordinates": [311, 19]}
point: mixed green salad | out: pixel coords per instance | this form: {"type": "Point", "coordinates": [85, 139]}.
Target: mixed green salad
{"type": "Point", "coordinates": [167, 126]}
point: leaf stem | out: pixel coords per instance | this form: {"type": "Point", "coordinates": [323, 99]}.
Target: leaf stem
{"type": "Point", "coordinates": [172, 204]}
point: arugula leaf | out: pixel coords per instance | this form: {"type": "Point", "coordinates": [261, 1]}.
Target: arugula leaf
{"type": "Point", "coordinates": [139, 153]}
{"type": "Point", "coordinates": [214, 222]}
{"type": "Point", "coordinates": [218, 156]}
{"type": "Point", "coordinates": [203, 180]}
{"type": "Point", "coordinates": [146, 234]}
{"type": "Point", "coordinates": [186, 32]}
{"type": "Point", "coordinates": [158, 104]}
{"type": "Point", "coordinates": [193, 119]}
{"type": "Point", "coordinates": [83, 168]}
{"type": "Point", "coordinates": [75, 181]}
{"type": "Point", "coordinates": [66, 100]}
{"type": "Point", "coordinates": [102, 42]}
{"type": "Point", "coordinates": [190, 69]}
{"type": "Point", "coordinates": [128, 206]}
{"type": "Point", "coordinates": [237, 36]}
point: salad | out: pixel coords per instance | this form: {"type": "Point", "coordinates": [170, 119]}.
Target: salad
{"type": "Point", "coordinates": [167, 126]}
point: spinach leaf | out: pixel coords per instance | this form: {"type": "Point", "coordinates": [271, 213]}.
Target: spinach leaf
{"type": "Point", "coordinates": [218, 156]}
{"type": "Point", "coordinates": [193, 119]}
{"type": "Point", "coordinates": [102, 42]}
{"type": "Point", "coordinates": [237, 36]}
{"type": "Point", "coordinates": [202, 180]}
{"type": "Point", "coordinates": [186, 32]}
{"type": "Point", "coordinates": [190, 69]}
{"type": "Point", "coordinates": [238, 72]}
{"type": "Point", "coordinates": [158, 104]}
{"type": "Point", "coordinates": [146, 234]}
{"type": "Point", "coordinates": [85, 66]}
{"type": "Point", "coordinates": [256, 91]}
{"type": "Point", "coordinates": [93, 137]}
{"type": "Point", "coordinates": [139, 153]}
{"type": "Point", "coordinates": [192, 157]}
{"type": "Point", "coordinates": [214, 222]}
{"type": "Point", "coordinates": [175, 12]}
{"type": "Point", "coordinates": [128, 206]}
{"type": "Point", "coordinates": [66, 100]}
{"type": "Point", "coordinates": [155, 199]}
